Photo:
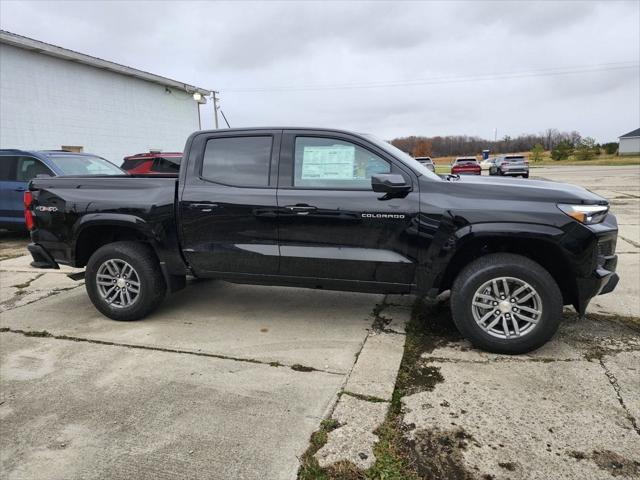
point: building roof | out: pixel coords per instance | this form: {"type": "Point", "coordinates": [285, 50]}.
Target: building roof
{"type": "Point", "coordinates": [631, 134]}
{"type": "Point", "coordinates": [65, 54]}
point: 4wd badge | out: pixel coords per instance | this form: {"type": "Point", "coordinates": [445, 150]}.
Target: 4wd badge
{"type": "Point", "coordinates": [42, 208]}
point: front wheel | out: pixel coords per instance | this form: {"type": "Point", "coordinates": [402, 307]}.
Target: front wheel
{"type": "Point", "coordinates": [124, 281]}
{"type": "Point", "coordinates": [506, 303]}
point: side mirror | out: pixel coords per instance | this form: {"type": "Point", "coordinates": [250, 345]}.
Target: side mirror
{"type": "Point", "coordinates": [389, 183]}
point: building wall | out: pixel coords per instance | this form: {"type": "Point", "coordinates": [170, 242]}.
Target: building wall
{"type": "Point", "coordinates": [629, 146]}
{"type": "Point", "coordinates": [46, 102]}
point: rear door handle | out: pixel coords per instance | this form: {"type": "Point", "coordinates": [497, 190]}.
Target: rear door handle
{"type": "Point", "coordinates": [20, 189]}
{"type": "Point", "coordinates": [203, 207]}
{"type": "Point", "coordinates": [301, 209]}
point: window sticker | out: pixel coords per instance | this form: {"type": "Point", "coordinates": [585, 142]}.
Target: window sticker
{"type": "Point", "coordinates": [335, 162]}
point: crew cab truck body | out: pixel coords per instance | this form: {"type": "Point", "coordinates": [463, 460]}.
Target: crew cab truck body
{"type": "Point", "coordinates": [336, 210]}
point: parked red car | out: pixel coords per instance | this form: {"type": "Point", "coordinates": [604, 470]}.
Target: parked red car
{"type": "Point", "coordinates": [153, 162]}
{"type": "Point", "coordinates": [466, 166]}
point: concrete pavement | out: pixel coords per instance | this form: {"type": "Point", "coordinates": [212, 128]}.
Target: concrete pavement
{"type": "Point", "coordinates": [567, 411]}
{"type": "Point", "coordinates": [73, 410]}
{"type": "Point", "coordinates": [224, 381]}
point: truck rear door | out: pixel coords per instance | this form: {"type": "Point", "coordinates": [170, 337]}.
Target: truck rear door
{"type": "Point", "coordinates": [227, 206]}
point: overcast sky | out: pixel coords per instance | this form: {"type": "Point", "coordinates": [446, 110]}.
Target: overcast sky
{"type": "Point", "coordinates": [393, 69]}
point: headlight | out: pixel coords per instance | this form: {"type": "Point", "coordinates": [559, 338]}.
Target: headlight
{"type": "Point", "coordinates": [587, 214]}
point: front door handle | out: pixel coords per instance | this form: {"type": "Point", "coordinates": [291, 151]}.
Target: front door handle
{"type": "Point", "coordinates": [301, 209]}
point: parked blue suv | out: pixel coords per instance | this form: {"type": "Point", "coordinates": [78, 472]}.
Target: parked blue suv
{"type": "Point", "coordinates": [18, 167]}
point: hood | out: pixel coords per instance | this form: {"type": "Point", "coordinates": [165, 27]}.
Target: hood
{"type": "Point", "coordinates": [504, 188]}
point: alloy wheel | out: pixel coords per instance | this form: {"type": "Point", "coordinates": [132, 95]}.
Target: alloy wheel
{"type": "Point", "coordinates": [118, 283]}
{"type": "Point", "coordinates": [507, 307]}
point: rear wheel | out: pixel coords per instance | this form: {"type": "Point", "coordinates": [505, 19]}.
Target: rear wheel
{"type": "Point", "coordinates": [506, 303]}
{"type": "Point", "coordinates": [124, 281]}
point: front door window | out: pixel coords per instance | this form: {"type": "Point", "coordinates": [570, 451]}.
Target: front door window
{"type": "Point", "coordinates": [328, 163]}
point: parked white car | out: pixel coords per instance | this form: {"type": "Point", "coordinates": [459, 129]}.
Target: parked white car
{"type": "Point", "coordinates": [488, 163]}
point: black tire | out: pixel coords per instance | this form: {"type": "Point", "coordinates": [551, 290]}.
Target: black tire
{"type": "Point", "coordinates": [481, 271]}
{"type": "Point", "coordinates": [525, 176]}
{"type": "Point", "coordinates": [142, 259]}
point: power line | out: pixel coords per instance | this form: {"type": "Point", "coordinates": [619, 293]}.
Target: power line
{"type": "Point", "coordinates": [556, 71]}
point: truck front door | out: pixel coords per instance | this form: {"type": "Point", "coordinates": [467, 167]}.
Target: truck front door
{"type": "Point", "coordinates": [228, 203]}
{"type": "Point", "coordinates": [333, 226]}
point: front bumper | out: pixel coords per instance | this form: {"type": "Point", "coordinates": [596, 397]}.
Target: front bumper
{"type": "Point", "coordinates": [41, 257]}
{"type": "Point", "coordinates": [603, 279]}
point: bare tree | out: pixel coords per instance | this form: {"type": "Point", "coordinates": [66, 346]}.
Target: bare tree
{"type": "Point", "coordinates": [465, 145]}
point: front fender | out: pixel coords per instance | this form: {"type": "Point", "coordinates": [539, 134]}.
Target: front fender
{"type": "Point", "coordinates": [443, 257]}
{"type": "Point", "coordinates": [520, 230]}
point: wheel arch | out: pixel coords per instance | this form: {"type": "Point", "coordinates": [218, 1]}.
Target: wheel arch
{"type": "Point", "coordinates": [537, 242]}
{"type": "Point", "coordinates": [94, 231]}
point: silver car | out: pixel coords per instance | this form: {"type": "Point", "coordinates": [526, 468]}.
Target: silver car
{"type": "Point", "coordinates": [427, 162]}
{"type": "Point", "coordinates": [511, 165]}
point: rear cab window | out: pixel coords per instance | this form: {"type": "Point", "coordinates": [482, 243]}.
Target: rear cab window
{"type": "Point", "coordinates": [241, 161]}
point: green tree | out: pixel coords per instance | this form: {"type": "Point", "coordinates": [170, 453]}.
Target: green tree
{"type": "Point", "coordinates": [610, 148]}
{"type": "Point", "coordinates": [562, 150]}
{"type": "Point", "coordinates": [536, 152]}
{"type": "Point", "coordinates": [586, 149]}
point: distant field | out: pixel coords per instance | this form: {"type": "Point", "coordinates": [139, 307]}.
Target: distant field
{"type": "Point", "coordinates": [603, 159]}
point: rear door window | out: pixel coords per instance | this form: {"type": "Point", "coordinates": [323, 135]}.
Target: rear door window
{"type": "Point", "coordinates": [29, 168]}
{"type": "Point", "coordinates": [8, 168]}
{"type": "Point", "coordinates": [238, 161]}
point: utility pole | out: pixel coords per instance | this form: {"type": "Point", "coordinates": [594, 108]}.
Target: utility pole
{"type": "Point", "coordinates": [215, 99]}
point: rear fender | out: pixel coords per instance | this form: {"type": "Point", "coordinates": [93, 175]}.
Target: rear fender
{"type": "Point", "coordinates": [155, 234]}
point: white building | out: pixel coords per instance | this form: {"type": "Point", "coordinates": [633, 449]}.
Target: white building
{"type": "Point", "coordinates": [54, 98]}
{"type": "Point", "coordinates": [630, 143]}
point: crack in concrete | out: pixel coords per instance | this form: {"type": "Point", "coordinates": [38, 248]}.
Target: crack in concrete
{"type": "Point", "coordinates": [10, 304]}
{"type": "Point", "coordinates": [44, 334]}
{"type": "Point", "coordinates": [366, 398]}
{"type": "Point", "coordinates": [388, 330]}
{"type": "Point", "coordinates": [500, 360]}
{"type": "Point", "coordinates": [22, 286]}
{"type": "Point", "coordinates": [632, 242]}
{"type": "Point", "coordinates": [616, 387]}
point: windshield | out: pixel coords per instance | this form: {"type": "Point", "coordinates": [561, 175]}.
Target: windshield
{"type": "Point", "coordinates": [514, 159]}
{"type": "Point", "coordinates": [84, 165]}
{"type": "Point", "coordinates": [404, 157]}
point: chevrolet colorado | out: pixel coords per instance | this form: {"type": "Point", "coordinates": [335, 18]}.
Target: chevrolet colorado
{"type": "Point", "coordinates": [331, 209]}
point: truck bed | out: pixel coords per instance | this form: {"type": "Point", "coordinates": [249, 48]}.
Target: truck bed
{"type": "Point", "coordinates": [63, 205]}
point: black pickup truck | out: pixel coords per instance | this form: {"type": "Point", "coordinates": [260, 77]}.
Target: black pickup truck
{"type": "Point", "coordinates": [337, 210]}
